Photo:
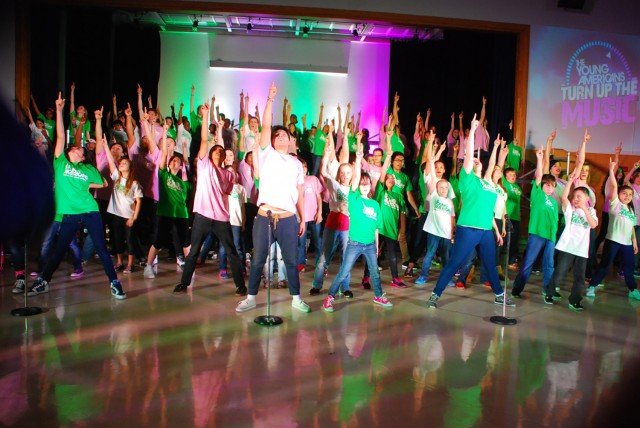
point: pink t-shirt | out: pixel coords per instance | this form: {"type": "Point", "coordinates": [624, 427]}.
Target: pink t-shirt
{"type": "Point", "coordinates": [481, 139]}
{"type": "Point", "coordinates": [246, 179]}
{"type": "Point", "coordinates": [312, 188]}
{"type": "Point", "coordinates": [214, 184]}
{"type": "Point", "coordinates": [102, 165]}
{"type": "Point", "coordinates": [156, 129]}
{"type": "Point", "coordinates": [374, 172]}
{"type": "Point", "coordinates": [146, 166]}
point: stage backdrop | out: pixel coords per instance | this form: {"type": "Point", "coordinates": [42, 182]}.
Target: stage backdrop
{"type": "Point", "coordinates": [360, 74]}
{"type": "Point", "coordinates": [582, 79]}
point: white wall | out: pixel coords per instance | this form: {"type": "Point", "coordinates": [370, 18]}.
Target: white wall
{"type": "Point", "coordinates": [8, 54]}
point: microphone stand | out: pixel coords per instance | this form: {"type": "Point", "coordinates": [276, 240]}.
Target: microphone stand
{"type": "Point", "coordinates": [268, 320]}
{"type": "Point", "coordinates": [503, 319]}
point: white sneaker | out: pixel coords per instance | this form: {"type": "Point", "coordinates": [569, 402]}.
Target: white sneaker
{"type": "Point", "coordinates": [246, 305]}
{"type": "Point", "coordinates": [300, 305]}
{"type": "Point", "coordinates": [148, 272]}
{"type": "Point", "coordinates": [591, 292]}
{"type": "Point", "coordinates": [18, 286]}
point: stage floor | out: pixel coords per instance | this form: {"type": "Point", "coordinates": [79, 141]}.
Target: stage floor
{"type": "Point", "coordinates": [164, 360]}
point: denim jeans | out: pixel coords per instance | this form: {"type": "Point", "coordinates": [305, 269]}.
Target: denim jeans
{"type": "Point", "coordinates": [314, 229]}
{"type": "Point", "coordinates": [420, 240]}
{"type": "Point", "coordinates": [330, 240]}
{"type": "Point", "coordinates": [236, 232]}
{"type": "Point", "coordinates": [565, 262]}
{"type": "Point", "coordinates": [275, 254]}
{"type": "Point", "coordinates": [352, 252]}
{"type": "Point", "coordinates": [50, 239]}
{"type": "Point", "coordinates": [609, 253]}
{"type": "Point", "coordinates": [315, 167]}
{"type": "Point", "coordinates": [69, 226]}
{"type": "Point", "coordinates": [468, 239]}
{"type": "Point", "coordinates": [286, 234]}
{"type": "Point", "coordinates": [433, 243]}
{"type": "Point", "coordinates": [209, 241]}
{"type": "Point", "coordinates": [535, 245]}
{"type": "Point", "coordinates": [222, 229]}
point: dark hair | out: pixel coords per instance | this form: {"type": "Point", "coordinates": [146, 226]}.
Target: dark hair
{"type": "Point", "coordinates": [217, 147]}
{"type": "Point", "coordinates": [378, 149]}
{"type": "Point", "coordinates": [365, 176]}
{"type": "Point", "coordinates": [625, 187]}
{"type": "Point", "coordinates": [553, 162]}
{"type": "Point", "coordinates": [116, 122]}
{"type": "Point", "coordinates": [506, 170]}
{"type": "Point", "coordinates": [302, 161]}
{"type": "Point", "coordinates": [395, 155]}
{"type": "Point", "coordinates": [580, 189]}
{"type": "Point", "coordinates": [277, 128]}
{"type": "Point", "coordinates": [547, 179]}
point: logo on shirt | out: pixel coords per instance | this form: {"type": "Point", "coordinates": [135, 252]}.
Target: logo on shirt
{"type": "Point", "coordinates": [579, 220]}
{"type": "Point", "coordinates": [438, 205]}
{"type": "Point", "coordinates": [487, 185]}
{"type": "Point", "coordinates": [71, 172]}
{"type": "Point", "coordinates": [370, 212]}
{"type": "Point", "coordinates": [628, 215]}
{"type": "Point", "coordinates": [174, 185]}
{"type": "Point", "coordinates": [549, 201]}
{"type": "Point", "coordinates": [391, 203]}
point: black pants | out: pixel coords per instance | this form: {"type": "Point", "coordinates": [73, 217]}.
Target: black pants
{"type": "Point", "coordinates": [122, 235]}
{"type": "Point", "coordinates": [222, 229]}
{"type": "Point", "coordinates": [420, 239]}
{"type": "Point", "coordinates": [250, 210]}
{"type": "Point", "coordinates": [515, 241]}
{"type": "Point", "coordinates": [564, 262]}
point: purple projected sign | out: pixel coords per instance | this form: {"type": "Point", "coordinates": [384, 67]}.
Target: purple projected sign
{"type": "Point", "coordinates": [599, 88]}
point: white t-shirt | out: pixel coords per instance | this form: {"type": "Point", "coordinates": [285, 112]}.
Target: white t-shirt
{"type": "Point", "coordinates": [559, 190]}
{"type": "Point", "coordinates": [280, 176]}
{"type": "Point", "coordinates": [636, 200]}
{"type": "Point", "coordinates": [575, 236]}
{"type": "Point", "coordinates": [621, 222]}
{"type": "Point", "coordinates": [438, 221]}
{"type": "Point", "coordinates": [427, 182]}
{"type": "Point", "coordinates": [501, 203]}
{"type": "Point", "coordinates": [182, 135]}
{"type": "Point", "coordinates": [338, 196]}
{"type": "Point", "coordinates": [237, 199]}
{"type": "Point", "coordinates": [121, 203]}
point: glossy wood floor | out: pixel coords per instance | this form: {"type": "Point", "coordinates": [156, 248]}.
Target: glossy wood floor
{"type": "Point", "coordinates": [164, 360]}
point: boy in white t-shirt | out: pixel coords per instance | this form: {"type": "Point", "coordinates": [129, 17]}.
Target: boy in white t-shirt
{"type": "Point", "coordinates": [237, 217]}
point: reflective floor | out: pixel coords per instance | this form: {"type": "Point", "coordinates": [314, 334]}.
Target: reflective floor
{"type": "Point", "coordinates": [161, 360]}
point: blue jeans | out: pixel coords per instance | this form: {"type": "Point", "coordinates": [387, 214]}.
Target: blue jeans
{"type": "Point", "coordinates": [468, 239]}
{"type": "Point", "coordinates": [314, 229]}
{"type": "Point", "coordinates": [69, 226]}
{"type": "Point", "coordinates": [49, 240]}
{"type": "Point", "coordinates": [352, 252]}
{"type": "Point", "coordinates": [330, 240]}
{"type": "Point", "coordinates": [236, 231]}
{"type": "Point", "coordinates": [315, 167]}
{"type": "Point", "coordinates": [433, 243]}
{"type": "Point", "coordinates": [535, 244]}
{"type": "Point", "coordinates": [207, 245]}
{"type": "Point", "coordinates": [286, 234]}
{"type": "Point", "coordinates": [609, 253]}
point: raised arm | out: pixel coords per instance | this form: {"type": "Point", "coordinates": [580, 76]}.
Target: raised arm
{"type": "Point", "coordinates": [258, 116]}
{"type": "Point", "coordinates": [243, 105]}
{"type": "Point", "coordinates": [416, 132]}
{"type": "Point", "coordinates": [346, 118]}
{"type": "Point", "coordinates": [59, 126]}
{"type": "Point", "coordinates": [72, 95]}
{"type": "Point", "coordinates": [150, 132]}
{"type": "Point", "coordinates": [567, 190]}
{"type": "Point", "coordinates": [165, 151]}
{"type": "Point", "coordinates": [214, 111]}
{"type": "Point", "coordinates": [319, 126]}
{"type": "Point", "coordinates": [358, 122]}
{"type": "Point", "coordinates": [131, 139]}
{"type": "Point", "coordinates": [547, 152]}
{"type": "Point", "coordinates": [140, 104]}
{"type": "Point", "coordinates": [36, 110]}
{"type": "Point", "coordinates": [265, 135]}
{"type": "Point", "coordinates": [427, 118]}
{"type": "Point", "coordinates": [582, 152]}
{"type": "Point", "coordinates": [114, 106]}
{"type": "Point", "coordinates": [396, 109]}
{"type": "Point", "coordinates": [328, 155]}
{"type": "Point", "coordinates": [219, 127]}
{"type": "Point", "coordinates": [112, 163]}
{"type": "Point", "coordinates": [385, 167]}
{"type": "Point", "coordinates": [343, 156]}
{"type": "Point", "coordinates": [483, 111]}
{"type": "Point", "coordinates": [284, 111]}
{"type": "Point", "coordinates": [202, 151]}
{"type": "Point", "coordinates": [611, 189]}
{"type": "Point", "coordinates": [453, 126]}
{"type": "Point", "coordinates": [492, 159]}
{"type": "Point", "coordinates": [427, 154]}
{"type": "Point", "coordinates": [468, 151]}
{"type": "Point", "coordinates": [357, 168]}
{"type": "Point", "coordinates": [192, 105]}
{"type": "Point", "coordinates": [539, 163]}
{"type": "Point", "coordinates": [98, 115]}
{"type": "Point", "coordinates": [502, 154]}
{"type": "Point", "coordinates": [77, 135]}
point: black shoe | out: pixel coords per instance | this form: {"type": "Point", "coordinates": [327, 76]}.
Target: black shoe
{"type": "Point", "coordinates": [348, 294]}
{"type": "Point", "coordinates": [576, 307]}
{"type": "Point", "coordinates": [241, 291]}
{"type": "Point", "coordinates": [180, 288]}
{"type": "Point", "coordinates": [556, 295]}
{"type": "Point", "coordinates": [548, 299]}
{"type": "Point", "coordinates": [516, 295]}
{"type": "Point", "coordinates": [314, 291]}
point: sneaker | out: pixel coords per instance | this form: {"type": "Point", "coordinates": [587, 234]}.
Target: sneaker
{"type": "Point", "coordinates": [635, 294]}
{"type": "Point", "coordinates": [408, 273]}
{"type": "Point", "coordinates": [636, 274]}
{"type": "Point", "coordinates": [18, 286]}
{"type": "Point", "coordinates": [327, 303]}
{"type": "Point", "coordinates": [366, 284]}
{"type": "Point", "coordinates": [283, 284]}
{"type": "Point", "coordinates": [405, 265]}
{"type": "Point", "coordinates": [78, 273]}
{"type": "Point", "coordinates": [460, 285]}
{"type": "Point", "coordinates": [246, 305]}
{"type": "Point", "coordinates": [516, 295]}
{"type": "Point", "coordinates": [142, 262]}
{"type": "Point", "coordinates": [116, 290]}
{"type": "Point", "coordinates": [119, 267]}
{"type": "Point", "coordinates": [348, 294]}
{"type": "Point", "coordinates": [241, 291]}
{"type": "Point", "coordinates": [148, 272]}
{"type": "Point", "coordinates": [432, 303]}
{"type": "Point", "coordinates": [548, 299]}
{"type": "Point", "coordinates": [301, 268]}
{"type": "Point", "coordinates": [180, 261]}
{"type": "Point", "coordinates": [500, 299]}
{"type": "Point", "coordinates": [556, 296]}
{"type": "Point", "coordinates": [314, 291]}
{"type": "Point", "coordinates": [536, 271]}
{"type": "Point", "coordinates": [576, 307]}
{"type": "Point", "coordinates": [128, 269]}
{"type": "Point", "coordinates": [180, 288]}
{"type": "Point", "coordinates": [397, 283]}
{"type": "Point", "coordinates": [223, 274]}
{"type": "Point", "coordinates": [300, 305]}
{"type": "Point", "coordinates": [382, 301]}
{"type": "Point", "coordinates": [591, 291]}
{"type": "Point", "coordinates": [39, 286]}
{"type": "Point", "coordinates": [421, 280]}
{"type": "Point", "coordinates": [487, 284]}
{"type": "Point", "coordinates": [435, 263]}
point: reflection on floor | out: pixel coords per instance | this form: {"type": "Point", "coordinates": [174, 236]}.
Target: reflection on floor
{"type": "Point", "coordinates": [164, 360]}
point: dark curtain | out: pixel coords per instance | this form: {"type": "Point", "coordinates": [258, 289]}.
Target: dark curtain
{"type": "Point", "coordinates": [452, 75]}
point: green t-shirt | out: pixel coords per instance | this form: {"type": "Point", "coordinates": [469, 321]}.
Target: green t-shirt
{"type": "Point", "coordinates": [72, 182]}
{"type": "Point", "coordinates": [353, 143]}
{"type": "Point", "coordinates": [172, 133]}
{"type": "Point", "coordinates": [455, 185]}
{"type": "Point", "coordinates": [364, 218]}
{"type": "Point", "coordinates": [196, 123]}
{"type": "Point", "coordinates": [49, 125]}
{"type": "Point", "coordinates": [391, 205]}
{"type": "Point", "coordinates": [544, 214]}
{"type": "Point", "coordinates": [319, 141]}
{"type": "Point", "coordinates": [75, 122]}
{"type": "Point", "coordinates": [423, 144]}
{"type": "Point", "coordinates": [514, 193]}
{"type": "Point", "coordinates": [514, 157]}
{"type": "Point", "coordinates": [422, 209]}
{"type": "Point", "coordinates": [478, 200]}
{"type": "Point", "coordinates": [396, 144]}
{"type": "Point", "coordinates": [403, 183]}
{"type": "Point", "coordinates": [173, 195]}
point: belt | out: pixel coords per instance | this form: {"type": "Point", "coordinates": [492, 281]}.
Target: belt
{"type": "Point", "coordinates": [276, 216]}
